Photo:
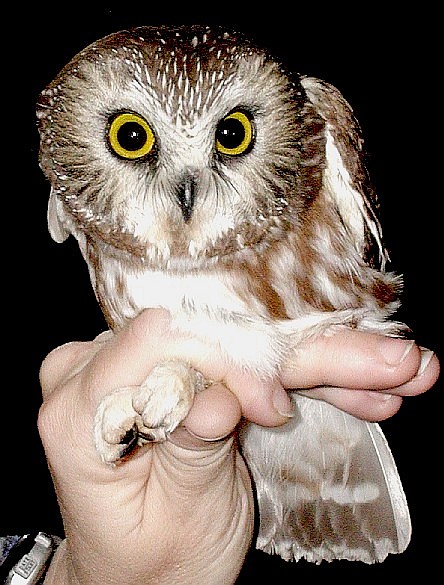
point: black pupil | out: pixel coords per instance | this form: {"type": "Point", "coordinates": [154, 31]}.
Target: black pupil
{"type": "Point", "coordinates": [131, 136]}
{"type": "Point", "coordinates": [230, 133]}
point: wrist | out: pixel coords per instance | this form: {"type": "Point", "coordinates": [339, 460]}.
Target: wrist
{"type": "Point", "coordinates": [60, 570]}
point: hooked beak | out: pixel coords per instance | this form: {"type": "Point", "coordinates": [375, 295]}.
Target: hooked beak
{"type": "Point", "coordinates": [186, 194]}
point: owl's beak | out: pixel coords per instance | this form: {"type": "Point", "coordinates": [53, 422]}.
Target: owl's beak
{"type": "Point", "coordinates": [186, 194]}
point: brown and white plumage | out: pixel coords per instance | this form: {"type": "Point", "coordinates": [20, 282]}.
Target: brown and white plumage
{"type": "Point", "coordinates": [199, 175]}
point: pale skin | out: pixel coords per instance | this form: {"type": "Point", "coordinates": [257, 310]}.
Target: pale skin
{"type": "Point", "coordinates": [182, 511]}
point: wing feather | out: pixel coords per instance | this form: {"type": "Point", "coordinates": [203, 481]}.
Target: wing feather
{"type": "Point", "coordinates": [346, 179]}
{"type": "Point", "coordinates": [327, 487]}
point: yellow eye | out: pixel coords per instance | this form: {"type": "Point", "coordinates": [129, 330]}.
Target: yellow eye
{"type": "Point", "coordinates": [130, 136]}
{"type": "Point", "coordinates": [234, 134]}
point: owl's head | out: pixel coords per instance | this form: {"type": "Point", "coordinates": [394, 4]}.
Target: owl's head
{"type": "Point", "coordinates": [182, 146]}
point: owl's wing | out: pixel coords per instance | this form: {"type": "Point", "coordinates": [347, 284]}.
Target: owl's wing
{"type": "Point", "coordinates": [346, 180]}
{"type": "Point", "coordinates": [327, 487]}
{"type": "Point", "coordinates": [59, 232]}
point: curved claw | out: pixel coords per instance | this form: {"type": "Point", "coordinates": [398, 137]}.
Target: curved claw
{"type": "Point", "coordinates": [129, 441]}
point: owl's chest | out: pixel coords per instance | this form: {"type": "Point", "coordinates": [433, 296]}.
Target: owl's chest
{"type": "Point", "coordinates": [204, 305]}
{"type": "Point", "coordinates": [123, 292]}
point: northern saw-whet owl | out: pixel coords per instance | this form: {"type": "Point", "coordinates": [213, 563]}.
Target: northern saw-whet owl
{"type": "Point", "coordinates": [199, 175]}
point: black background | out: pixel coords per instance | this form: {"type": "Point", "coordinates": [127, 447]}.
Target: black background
{"type": "Point", "coordinates": [387, 67]}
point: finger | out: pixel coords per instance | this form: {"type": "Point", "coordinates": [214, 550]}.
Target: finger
{"type": "Point", "coordinates": [353, 359]}
{"type": "Point", "coordinates": [128, 358]}
{"type": "Point", "coordinates": [130, 355]}
{"type": "Point", "coordinates": [215, 413]}
{"type": "Point", "coordinates": [264, 402]}
{"type": "Point", "coordinates": [377, 405]}
{"type": "Point", "coordinates": [425, 377]}
{"type": "Point", "coordinates": [364, 404]}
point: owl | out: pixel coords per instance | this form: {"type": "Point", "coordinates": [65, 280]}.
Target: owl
{"type": "Point", "coordinates": [199, 174]}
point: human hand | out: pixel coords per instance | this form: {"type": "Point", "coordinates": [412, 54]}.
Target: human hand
{"type": "Point", "coordinates": [183, 510]}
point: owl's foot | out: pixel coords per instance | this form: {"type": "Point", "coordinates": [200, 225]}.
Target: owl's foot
{"type": "Point", "coordinates": [136, 415]}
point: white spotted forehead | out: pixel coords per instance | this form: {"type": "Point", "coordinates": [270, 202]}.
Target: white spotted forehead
{"type": "Point", "coordinates": [185, 85]}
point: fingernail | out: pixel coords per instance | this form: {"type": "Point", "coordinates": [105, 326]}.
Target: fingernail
{"type": "Point", "coordinates": [426, 356]}
{"type": "Point", "coordinates": [394, 350]}
{"type": "Point", "coordinates": [282, 403]}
